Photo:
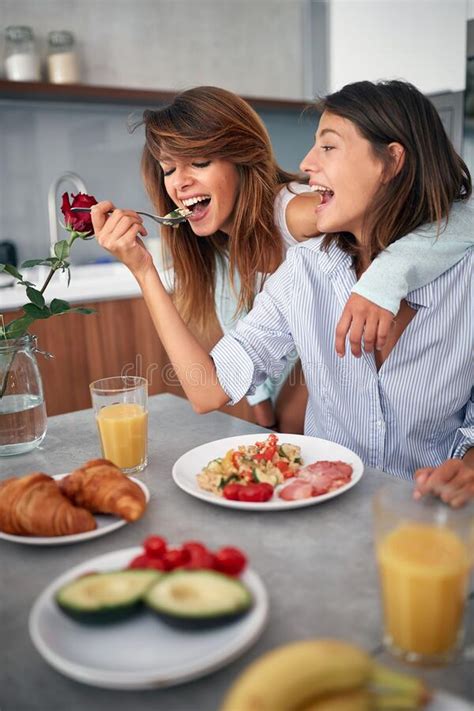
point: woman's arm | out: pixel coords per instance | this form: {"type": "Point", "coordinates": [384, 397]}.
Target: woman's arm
{"type": "Point", "coordinates": [417, 259]}
{"type": "Point", "coordinates": [301, 216]}
{"type": "Point", "coordinates": [191, 362]}
{"type": "Point", "coordinates": [119, 234]}
{"type": "Point", "coordinates": [409, 263]}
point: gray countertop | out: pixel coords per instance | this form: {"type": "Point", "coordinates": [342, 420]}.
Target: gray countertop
{"type": "Point", "coordinates": [316, 562]}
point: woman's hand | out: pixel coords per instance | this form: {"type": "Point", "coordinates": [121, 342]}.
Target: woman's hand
{"type": "Point", "coordinates": [362, 318]}
{"type": "Point", "coordinates": [452, 481]}
{"type": "Point", "coordinates": [119, 235]}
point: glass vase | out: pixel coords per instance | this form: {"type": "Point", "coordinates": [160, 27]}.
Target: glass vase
{"type": "Point", "coordinates": [23, 418]}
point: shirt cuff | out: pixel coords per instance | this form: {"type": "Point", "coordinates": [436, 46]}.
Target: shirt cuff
{"type": "Point", "coordinates": [262, 392]}
{"type": "Point", "coordinates": [463, 441]}
{"type": "Point", "coordinates": [234, 367]}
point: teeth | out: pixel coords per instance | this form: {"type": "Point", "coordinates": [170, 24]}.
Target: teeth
{"type": "Point", "coordinates": [321, 189]}
{"type": "Point", "coordinates": [192, 201]}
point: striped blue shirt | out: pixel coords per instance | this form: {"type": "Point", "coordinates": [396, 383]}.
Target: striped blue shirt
{"type": "Point", "coordinates": [417, 410]}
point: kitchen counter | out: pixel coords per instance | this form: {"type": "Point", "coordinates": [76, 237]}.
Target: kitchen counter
{"type": "Point", "coordinates": [317, 564]}
{"type": "Point", "coordinates": [91, 282]}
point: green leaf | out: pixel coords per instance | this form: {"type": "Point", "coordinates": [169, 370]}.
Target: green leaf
{"type": "Point", "coordinates": [59, 306]}
{"type": "Point", "coordinates": [35, 312]}
{"type": "Point", "coordinates": [82, 310]}
{"type": "Point", "coordinates": [35, 296]}
{"type": "Point", "coordinates": [32, 263]}
{"type": "Point", "coordinates": [18, 327]}
{"type": "Point", "coordinates": [61, 249]}
{"type": "Point", "coordinates": [10, 269]}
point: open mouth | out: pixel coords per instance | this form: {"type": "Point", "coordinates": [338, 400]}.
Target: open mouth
{"type": "Point", "coordinates": [198, 205]}
{"type": "Point", "coordinates": [326, 193]}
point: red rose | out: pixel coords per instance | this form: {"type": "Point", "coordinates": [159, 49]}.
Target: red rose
{"type": "Point", "coordinates": [78, 221]}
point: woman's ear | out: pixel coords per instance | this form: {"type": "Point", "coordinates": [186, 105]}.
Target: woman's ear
{"type": "Point", "coordinates": [397, 153]}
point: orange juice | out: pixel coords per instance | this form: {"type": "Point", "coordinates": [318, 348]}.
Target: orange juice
{"type": "Point", "coordinates": [123, 434]}
{"type": "Point", "coordinates": [424, 573]}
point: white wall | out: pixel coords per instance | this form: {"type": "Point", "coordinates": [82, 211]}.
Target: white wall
{"type": "Point", "coordinates": [470, 10]}
{"type": "Point", "coordinates": [252, 47]}
{"type": "Point", "coordinates": [421, 41]}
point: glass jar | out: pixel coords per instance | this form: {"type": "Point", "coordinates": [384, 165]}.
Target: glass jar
{"type": "Point", "coordinates": [23, 419]}
{"type": "Point", "coordinates": [22, 62]}
{"type": "Point", "coordinates": [63, 65]}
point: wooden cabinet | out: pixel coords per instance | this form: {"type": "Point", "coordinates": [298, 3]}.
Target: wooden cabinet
{"type": "Point", "coordinates": [118, 338]}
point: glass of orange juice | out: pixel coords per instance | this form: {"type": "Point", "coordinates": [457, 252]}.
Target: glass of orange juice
{"type": "Point", "coordinates": [121, 412]}
{"type": "Point", "coordinates": [425, 552]}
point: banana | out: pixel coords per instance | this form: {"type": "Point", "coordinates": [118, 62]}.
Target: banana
{"type": "Point", "coordinates": [292, 676]}
{"type": "Point", "coordinates": [397, 690]}
{"type": "Point", "coordinates": [358, 700]}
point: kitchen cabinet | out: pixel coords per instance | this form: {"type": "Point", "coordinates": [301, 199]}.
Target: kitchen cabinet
{"type": "Point", "coordinates": [118, 338]}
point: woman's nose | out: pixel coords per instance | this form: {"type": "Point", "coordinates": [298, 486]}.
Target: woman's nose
{"type": "Point", "coordinates": [182, 178]}
{"type": "Point", "coordinates": [310, 164]}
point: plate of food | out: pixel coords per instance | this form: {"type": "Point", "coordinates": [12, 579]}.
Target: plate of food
{"type": "Point", "coordinates": [93, 500]}
{"type": "Point", "coordinates": [111, 623]}
{"type": "Point", "coordinates": [253, 472]}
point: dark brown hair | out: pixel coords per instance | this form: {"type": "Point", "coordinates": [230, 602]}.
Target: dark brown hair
{"type": "Point", "coordinates": [432, 176]}
{"type": "Point", "coordinates": [212, 123]}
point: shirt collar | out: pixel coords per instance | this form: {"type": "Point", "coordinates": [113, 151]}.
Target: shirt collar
{"type": "Point", "coordinates": [333, 259]}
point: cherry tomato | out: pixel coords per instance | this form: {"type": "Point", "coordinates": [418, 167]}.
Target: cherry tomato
{"type": "Point", "coordinates": [175, 558]}
{"type": "Point", "coordinates": [230, 561]}
{"type": "Point", "coordinates": [256, 492]}
{"type": "Point", "coordinates": [140, 561]}
{"type": "Point", "coordinates": [282, 465]}
{"type": "Point", "coordinates": [199, 556]}
{"type": "Point", "coordinates": [156, 564]}
{"type": "Point", "coordinates": [268, 453]}
{"type": "Point", "coordinates": [231, 491]}
{"type": "Point", "coordinates": [155, 546]}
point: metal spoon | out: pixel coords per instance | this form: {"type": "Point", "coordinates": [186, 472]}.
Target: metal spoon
{"type": "Point", "coordinates": [172, 219]}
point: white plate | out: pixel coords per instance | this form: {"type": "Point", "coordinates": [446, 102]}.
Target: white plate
{"type": "Point", "coordinates": [105, 524]}
{"type": "Point", "coordinates": [446, 702]}
{"type": "Point", "coordinates": [190, 464]}
{"type": "Point", "coordinates": [141, 652]}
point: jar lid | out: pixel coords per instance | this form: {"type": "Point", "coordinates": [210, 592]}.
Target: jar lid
{"type": "Point", "coordinates": [60, 38]}
{"type": "Point", "coordinates": [19, 33]}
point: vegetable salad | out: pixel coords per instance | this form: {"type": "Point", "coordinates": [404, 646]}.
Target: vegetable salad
{"type": "Point", "coordinates": [263, 462]}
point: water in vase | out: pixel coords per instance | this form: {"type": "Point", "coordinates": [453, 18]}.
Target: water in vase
{"type": "Point", "coordinates": [22, 423]}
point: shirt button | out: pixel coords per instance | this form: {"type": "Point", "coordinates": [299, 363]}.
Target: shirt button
{"type": "Point", "coordinates": [380, 424]}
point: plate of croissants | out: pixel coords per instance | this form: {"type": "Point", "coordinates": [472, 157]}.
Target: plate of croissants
{"type": "Point", "coordinates": [91, 501]}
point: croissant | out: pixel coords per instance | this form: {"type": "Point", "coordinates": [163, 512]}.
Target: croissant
{"type": "Point", "coordinates": [100, 487]}
{"type": "Point", "coordinates": [33, 505]}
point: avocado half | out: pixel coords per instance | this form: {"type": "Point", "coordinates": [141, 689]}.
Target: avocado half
{"type": "Point", "coordinates": [100, 598]}
{"type": "Point", "coordinates": [196, 599]}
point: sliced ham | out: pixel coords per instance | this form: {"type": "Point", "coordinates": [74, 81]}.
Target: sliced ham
{"type": "Point", "coordinates": [296, 490]}
{"type": "Point", "coordinates": [336, 469]}
{"type": "Point", "coordinates": [320, 483]}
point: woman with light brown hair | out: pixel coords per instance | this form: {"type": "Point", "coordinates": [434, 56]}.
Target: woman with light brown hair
{"type": "Point", "coordinates": [209, 151]}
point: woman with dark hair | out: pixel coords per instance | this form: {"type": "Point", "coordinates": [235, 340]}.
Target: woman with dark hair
{"type": "Point", "coordinates": [384, 166]}
{"type": "Point", "coordinates": [210, 151]}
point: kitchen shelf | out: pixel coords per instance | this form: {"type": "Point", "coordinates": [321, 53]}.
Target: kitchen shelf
{"type": "Point", "coordinates": [87, 93]}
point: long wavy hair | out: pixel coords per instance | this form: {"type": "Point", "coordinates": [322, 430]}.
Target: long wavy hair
{"type": "Point", "coordinates": [432, 176]}
{"type": "Point", "coordinates": [211, 123]}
